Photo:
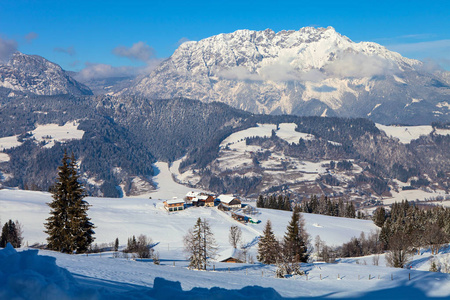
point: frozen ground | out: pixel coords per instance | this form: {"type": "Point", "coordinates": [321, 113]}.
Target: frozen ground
{"type": "Point", "coordinates": [27, 275]}
{"type": "Point", "coordinates": [406, 134]}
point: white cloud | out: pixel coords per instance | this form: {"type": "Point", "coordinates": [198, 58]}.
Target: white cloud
{"type": "Point", "coordinates": [7, 48]}
{"type": "Point", "coordinates": [280, 71]}
{"type": "Point", "coordinates": [358, 65]}
{"type": "Point", "coordinates": [102, 71]}
{"type": "Point", "coordinates": [239, 73]}
{"type": "Point", "coordinates": [438, 51]}
{"type": "Point", "coordinates": [183, 40]}
{"type": "Point", "coordinates": [31, 36]}
{"type": "Point", "coordinates": [439, 45]}
{"type": "Point", "coordinates": [69, 50]}
{"type": "Point", "coordinates": [139, 51]}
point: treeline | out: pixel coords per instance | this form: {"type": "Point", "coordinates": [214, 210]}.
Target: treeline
{"type": "Point", "coordinates": [415, 227]}
{"type": "Point", "coordinates": [280, 202]}
{"type": "Point", "coordinates": [357, 246]}
{"type": "Point", "coordinates": [326, 206]}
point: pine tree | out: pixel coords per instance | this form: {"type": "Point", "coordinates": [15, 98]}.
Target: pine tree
{"type": "Point", "coordinates": [260, 202]}
{"type": "Point", "coordinates": [11, 233]}
{"type": "Point", "coordinates": [379, 216]}
{"type": "Point", "coordinates": [268, 246]}
{"type": "Point", "coordinates": [69, 227]}
{"type": "Point", "coordinates": [116, 245]}
{"type": "Point", "coordinates": [295, 239]}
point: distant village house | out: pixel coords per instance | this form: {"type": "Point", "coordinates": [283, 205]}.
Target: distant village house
{"type": "Point", "coordinates": [174, 204]}
{"type": "Point", "coordinates": [229, 201]}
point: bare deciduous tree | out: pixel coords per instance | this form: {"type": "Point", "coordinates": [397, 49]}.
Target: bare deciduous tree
{"type": "Point", "coordinates": [400, 250]}
{"type": "Point", "coordinates": [235, 236]}
{"type": "Point", "coordinates": [200, 245]}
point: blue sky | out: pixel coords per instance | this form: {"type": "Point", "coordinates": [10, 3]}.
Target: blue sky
{"type": "Point", "coordinates": [80, 34]}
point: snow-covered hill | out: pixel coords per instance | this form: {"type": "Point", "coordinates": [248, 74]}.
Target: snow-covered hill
{"type": "Point", "coordinates": [32, 74]}
{"type": "Point", "coordinates": [32, 275]}
{"type": "Point", "coordinates": [313, 71]}
{"type": "Point", "coordinates": [124, 217]}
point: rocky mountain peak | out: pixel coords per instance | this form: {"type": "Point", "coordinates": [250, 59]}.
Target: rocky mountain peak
{"type": "Point", "coordinates": [33, 74]}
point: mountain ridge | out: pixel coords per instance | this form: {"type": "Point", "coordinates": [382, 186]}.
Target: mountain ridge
{"type": "Point", "coordinates": [32, 74]}
{"type": "Point", "coordinates": [306, 72]}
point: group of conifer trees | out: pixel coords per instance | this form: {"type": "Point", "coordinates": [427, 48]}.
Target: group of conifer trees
{"type": "Point", "coordinates": [406, 227]}
{"type": "Point", "coordinates": [69, 228]}
{"type": "Point", "coordinates": [280, 202]}
{"type": "Point", "coordinates": [11, 233]}
{"type": "Point", "coordinates": [326, 206]}
{"type": "Point", "coordinates": [288, 253]}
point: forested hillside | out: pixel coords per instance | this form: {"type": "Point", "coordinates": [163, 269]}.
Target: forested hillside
{"type": "Point", "coordinates": [124, 136]}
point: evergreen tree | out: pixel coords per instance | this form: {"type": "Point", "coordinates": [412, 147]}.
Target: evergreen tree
{"type": "Point", "coordinates": [260, 202]}
{"type": "Point", "coordinates": [116, 245]}
{"type": "Point", "coordinates": [69, 227]}
{"type": "Point", "coordinates": [295, 239]}
{"type": "Point", "coordinates": [379, 216]}
{"type": "Point", "coordinates": [268, 246]}
{"type": "Point", "coordinates": [11, 233]}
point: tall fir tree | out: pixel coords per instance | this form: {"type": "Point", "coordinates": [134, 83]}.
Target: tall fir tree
{"type": "Point", "coordinates": [296, 239]}
{"type": "Point", "coordinates": [69, 228]}
{"type": "Point", "coordinates": [268, 246]}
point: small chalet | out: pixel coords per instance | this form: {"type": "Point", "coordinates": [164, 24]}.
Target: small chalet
{"type": "Point", "coordinates": [174, 204]}
{"type": "Point", "coordinates": [205, 200]}
{"type": "Point", "coordinates": [231, 255]}
{"type": "Point", "coordinates": [191, 195]}
{"type": "Point", "coordinates": [229, 201]}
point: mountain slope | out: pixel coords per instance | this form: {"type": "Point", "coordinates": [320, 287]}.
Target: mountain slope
{"type": "Point", "coordinates": [306, 72]}
{"type": "Point", "coordinates": [32, 74]}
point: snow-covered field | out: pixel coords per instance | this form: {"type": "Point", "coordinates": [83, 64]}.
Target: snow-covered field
{"type": "Point", "coordinates": [406, 134]}
{"type": "Point", "coordinates": [48, 133]}
{"type": "Point", "coordinates": [26, 275]}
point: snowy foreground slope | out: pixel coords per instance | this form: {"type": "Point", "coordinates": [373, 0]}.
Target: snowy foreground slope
{"type": "Point", "coordinates": [29, 274]}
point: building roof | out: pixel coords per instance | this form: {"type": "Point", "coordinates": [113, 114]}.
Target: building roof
{"type": "Point", "coordinates": [175, 201]}
{"type": "Point", "coordinates": [226, 198]}
{"type": "Point", "coordinates": [192, 194]}
{"type": "Point", "coordinates": [229, 253]}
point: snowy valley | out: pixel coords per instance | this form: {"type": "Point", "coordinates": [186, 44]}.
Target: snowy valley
{"type": "Point", "coordinates": [110, 276]}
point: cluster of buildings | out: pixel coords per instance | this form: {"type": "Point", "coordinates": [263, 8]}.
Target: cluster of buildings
{"type": "Point", "coordinates": [195, 199]}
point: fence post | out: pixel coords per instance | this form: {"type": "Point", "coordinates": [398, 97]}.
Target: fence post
{"type": "Point", "coordinates": [409, 276]}
{"type": "Point", "coordinates": [320, 276]}
{"type": "Point", "coordinates": [392, 277]}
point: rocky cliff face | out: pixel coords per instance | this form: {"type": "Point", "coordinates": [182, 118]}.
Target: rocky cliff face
{"type": "Point", "coordinates": [306, 72]}
{"type": "Point", "coordinates": [32, 74]}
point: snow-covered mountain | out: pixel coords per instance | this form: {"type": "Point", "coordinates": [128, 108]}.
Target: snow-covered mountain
{"type": "Point", "coordinates": [313, 71]}
{"type": "Point", "coordinates": [32, 74]}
